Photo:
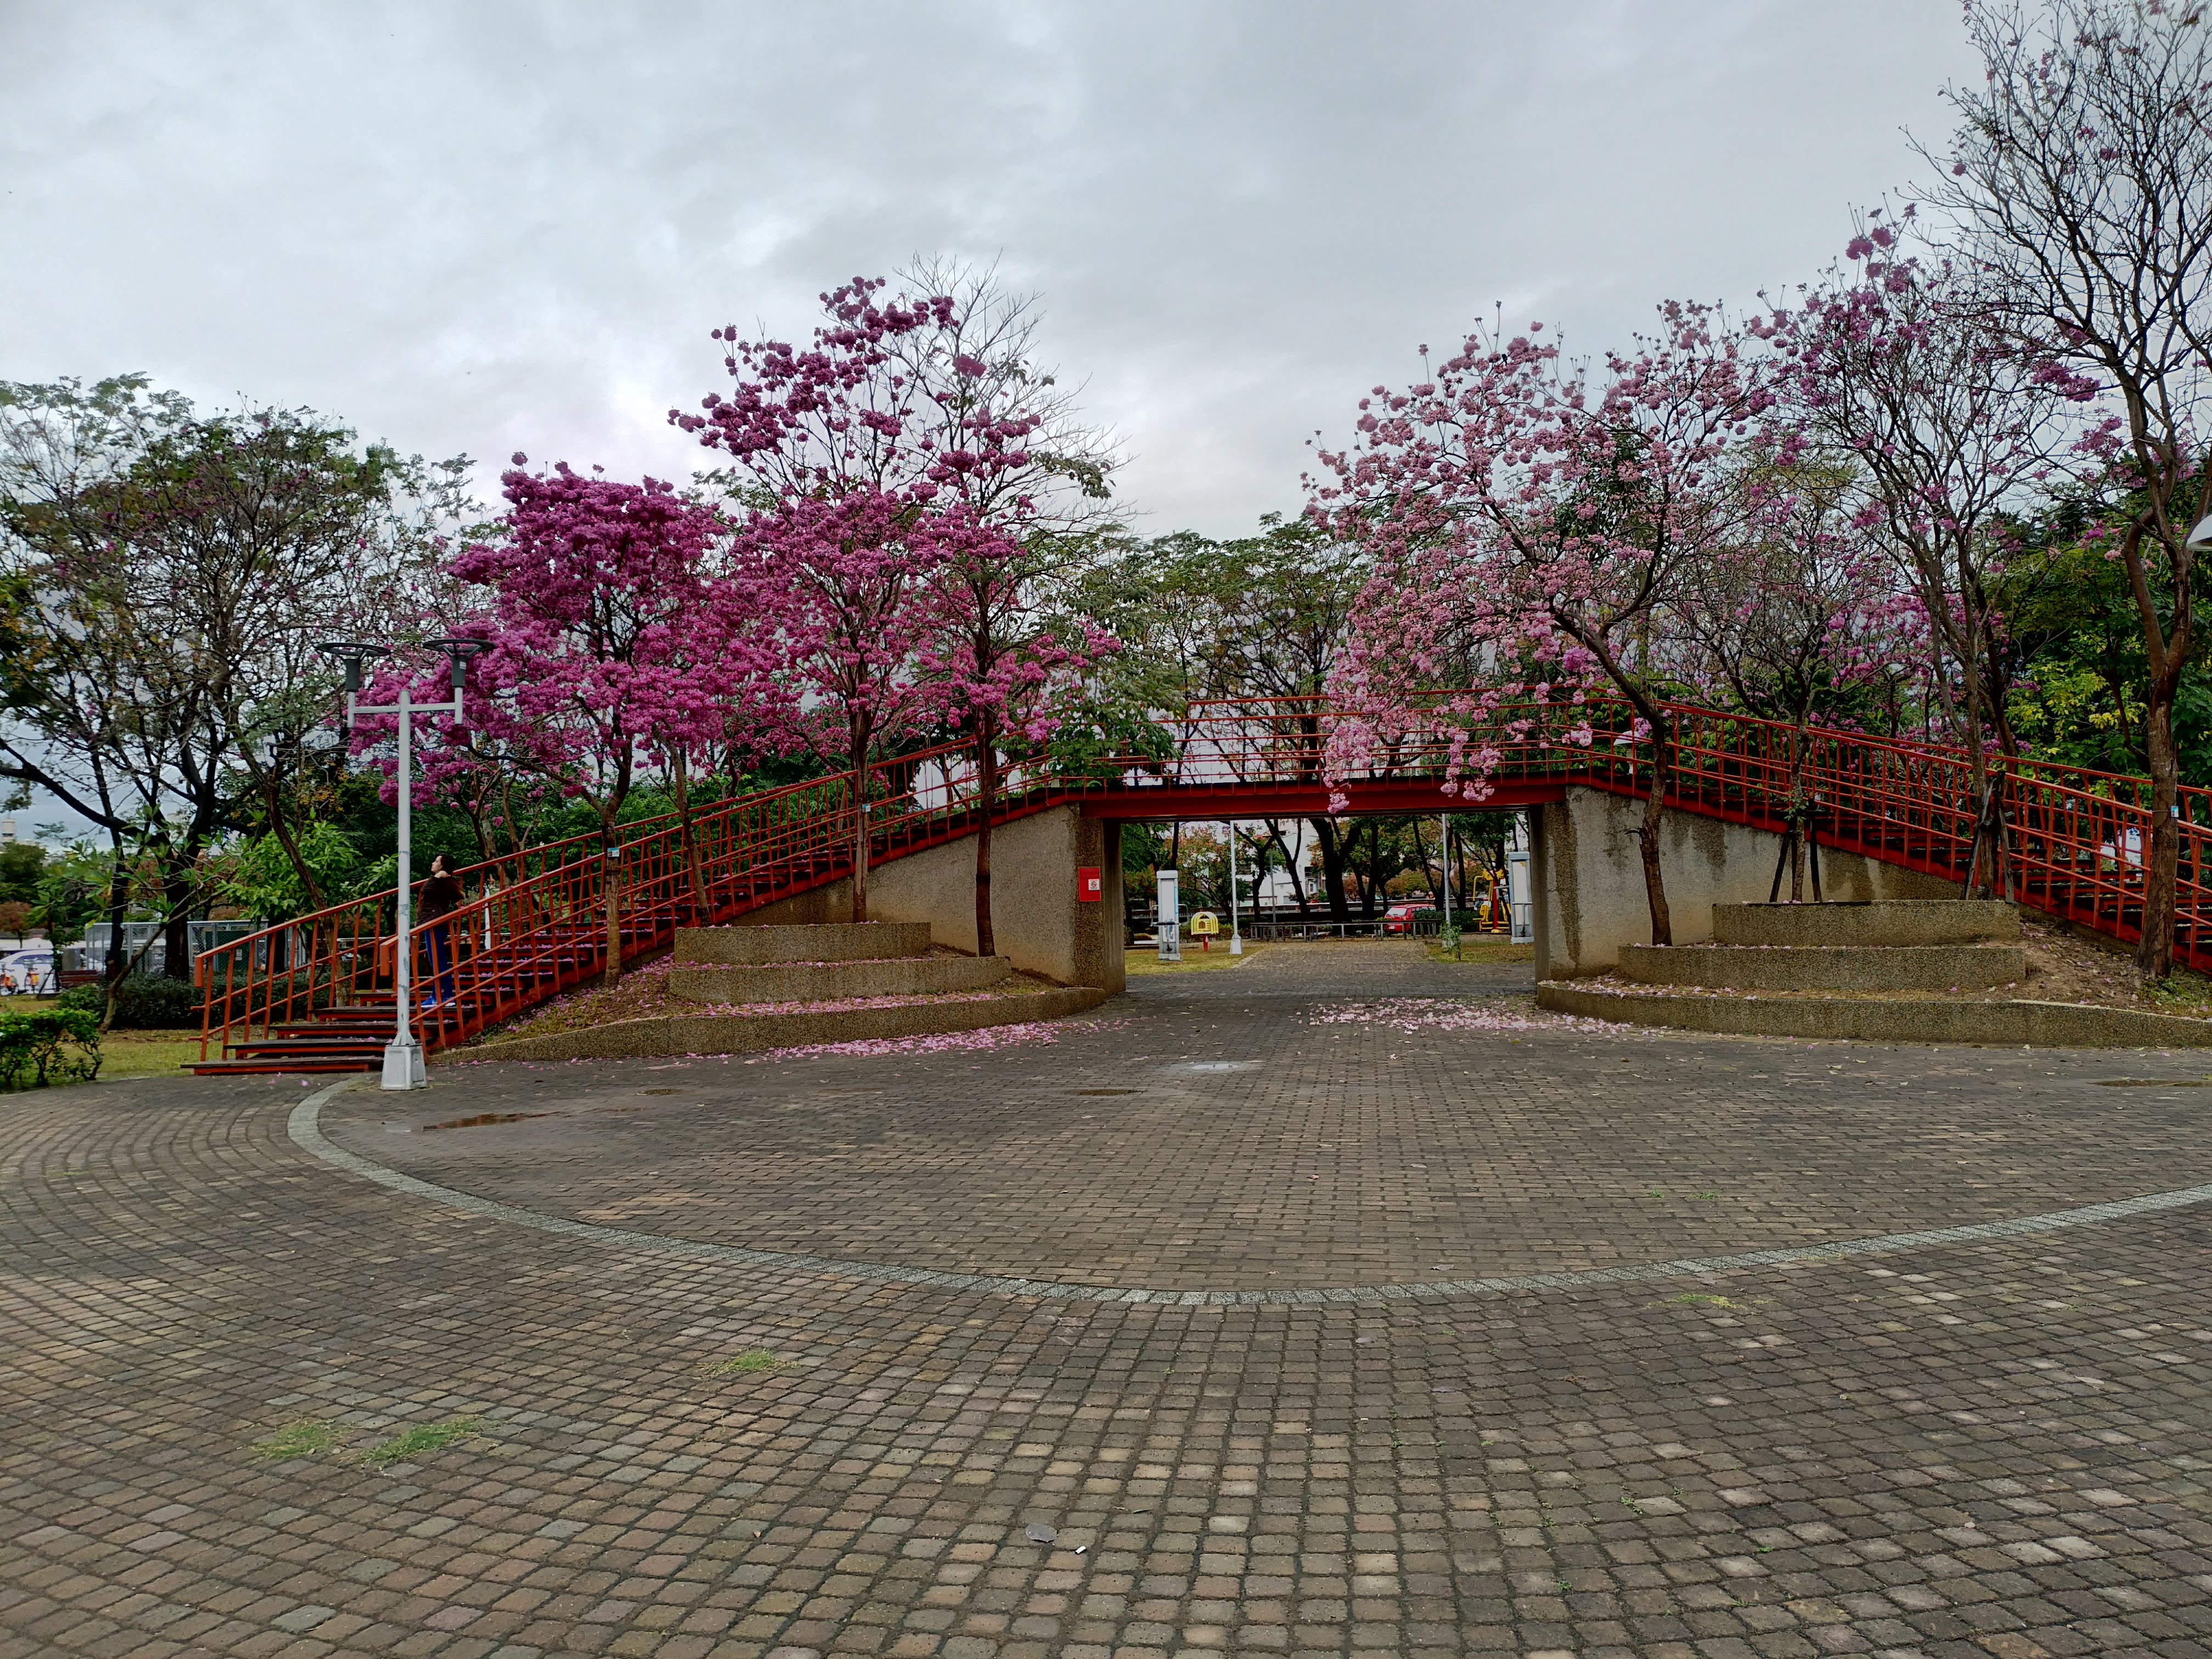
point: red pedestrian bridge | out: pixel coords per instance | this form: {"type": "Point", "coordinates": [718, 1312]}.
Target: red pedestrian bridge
{"type": "Point", "coordinates": [315, 994]}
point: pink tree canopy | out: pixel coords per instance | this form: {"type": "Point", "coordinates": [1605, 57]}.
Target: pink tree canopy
{"type": "Point", "coordinates": [608, 638]}
{"type": "Point", "coordinates": [1529, 525]}
{"type": "Point", "coordinates": [893, 501]}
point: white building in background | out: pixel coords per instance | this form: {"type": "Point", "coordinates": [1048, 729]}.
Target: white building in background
{"type": "Point", "coordinates": [1276, 892]}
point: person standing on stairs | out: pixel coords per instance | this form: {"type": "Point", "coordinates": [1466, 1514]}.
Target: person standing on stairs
{"type": "Point", "coordinates": [442, 892]}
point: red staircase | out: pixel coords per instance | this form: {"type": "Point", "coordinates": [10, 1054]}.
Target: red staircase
{"type": "Point", "coordinates": [315, 995]}
{"type": "Point", "coordinates": [349, 1038]}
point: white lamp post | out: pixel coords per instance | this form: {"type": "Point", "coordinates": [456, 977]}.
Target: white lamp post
{"type": "Point", "coordinates": [1444, 859]}
{"type": "Point", "coordinates": [1236, 934]}
{"type": "Point", "coordinates": [403, 1055]}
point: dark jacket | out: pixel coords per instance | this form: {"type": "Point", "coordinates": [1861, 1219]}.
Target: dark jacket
{"type": "Point", "coordinates": [438, 896]}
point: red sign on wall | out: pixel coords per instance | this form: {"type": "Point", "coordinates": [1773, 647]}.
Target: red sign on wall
{"type": "Point", "coordinates": [1089, 888]}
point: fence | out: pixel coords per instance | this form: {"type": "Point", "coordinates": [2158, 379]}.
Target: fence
{"type": "Point", "coordinates": [2069, 842]}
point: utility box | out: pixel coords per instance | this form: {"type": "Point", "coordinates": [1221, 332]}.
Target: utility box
{"type": "Point", "coordinates": [1520, 897]}
{"type": "Point", "coordinates": [1166, 926]}
{"type": "Point", "coordinates": [1090, 885]}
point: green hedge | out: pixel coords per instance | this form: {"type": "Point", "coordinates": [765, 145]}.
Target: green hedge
{"type": "Point", "coordinates": [145, 1002]}
{"type": "Point", "coordinates": [48, 1045]}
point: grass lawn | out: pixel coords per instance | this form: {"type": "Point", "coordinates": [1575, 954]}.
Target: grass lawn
{"type": "Point", "coordinates": [146, 1053]}
{"type": "Point", "coordinates": [1147, 961]}
{"type": "Point", "coordinates": [1484, 948]}
{"type": "Point", "coordinates": [140, 1053]}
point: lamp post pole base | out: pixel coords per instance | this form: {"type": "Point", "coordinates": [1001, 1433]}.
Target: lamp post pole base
{"type": "Point", "coordinates": [403, 1066]}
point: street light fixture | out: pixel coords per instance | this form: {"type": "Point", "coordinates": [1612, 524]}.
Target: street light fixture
{"type": "Point", "coordinates": [403, 1055]}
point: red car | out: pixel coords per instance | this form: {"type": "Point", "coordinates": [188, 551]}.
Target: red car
{"type": "Point", "coordinates": [1401, 918]}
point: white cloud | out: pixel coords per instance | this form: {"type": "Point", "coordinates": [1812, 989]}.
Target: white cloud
{"type": "Point", "coordinates": [486, 229]}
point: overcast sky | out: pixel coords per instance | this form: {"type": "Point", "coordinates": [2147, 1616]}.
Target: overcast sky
{"type": "Point", "coordinates": [478, 229]}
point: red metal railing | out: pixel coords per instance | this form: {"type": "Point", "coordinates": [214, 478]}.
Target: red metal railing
{"type": "Point", "coordinates": [539, 924]}
{"type": "Point", "coordinates": [2073, 841]}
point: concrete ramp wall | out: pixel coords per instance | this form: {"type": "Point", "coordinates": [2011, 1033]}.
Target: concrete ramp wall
{"type": "Point", "coordinates": [1589, 877]}
{"type": "Point", "coordinates": [1041, 926]}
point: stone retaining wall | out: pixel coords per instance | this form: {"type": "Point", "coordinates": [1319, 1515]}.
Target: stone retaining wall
{"type": "Point", "coordinates": [898, 976]}
{"type": "Point", "coordinates": [1825, 968]}
{"type": "Point", "coordinates": [753, 943]}
{"type": "Point", "coordinates": [736, 1033]}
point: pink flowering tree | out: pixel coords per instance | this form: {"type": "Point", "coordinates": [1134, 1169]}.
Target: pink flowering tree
{"type": "Point", "coordinates": [1531, 524]}
{"type": "Point", "coordinates": [840, 586]}
{"type": "Point", "coordinates": [998, 666]}
{"type": "Point", "coordinates": [1021, 480]}
{"type": "Point", "coordinates": [600, 616]}
{"type": "Point", "coordinates": [914, 479]}
{"type": "Point", "coordinates": [1800, 620]}
{"type": "Point", "coordinates": [1891, 366]}
{"type": "Point", "coordinates": [2078, 184]}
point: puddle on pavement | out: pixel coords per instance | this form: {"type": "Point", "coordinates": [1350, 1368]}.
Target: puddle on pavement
{"type": "Point", "coordinates": [483, 1118]}
{"type": "Point", "coordinates": [1105, 1091]}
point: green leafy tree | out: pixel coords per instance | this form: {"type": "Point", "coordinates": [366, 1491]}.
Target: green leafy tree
{"type": "Point", "coordinates": [169, 573]}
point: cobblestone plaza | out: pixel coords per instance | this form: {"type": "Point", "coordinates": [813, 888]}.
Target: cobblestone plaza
{"type": "Point", "coordinates": [1328, 1305]}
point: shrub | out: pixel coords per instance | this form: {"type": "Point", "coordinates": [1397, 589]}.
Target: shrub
{"type": "Point", "coordinates": [48, 1045]}
{"type": "Point", "coordinates": [145, 1002]}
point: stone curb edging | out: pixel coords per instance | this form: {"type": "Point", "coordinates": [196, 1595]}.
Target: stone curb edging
{"type": "Point", "coordinates": [1889, 1019]}
{"type": "Point", "coordinates": [305, 1127]}
{"type": "Point", "coordinates": [672, 1035]}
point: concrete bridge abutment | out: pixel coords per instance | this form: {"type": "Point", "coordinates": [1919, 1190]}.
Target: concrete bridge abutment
{"type": "Point", "coordinates": [1589, 877]}
{"type": "Point", "coordinates": [1042, 925]}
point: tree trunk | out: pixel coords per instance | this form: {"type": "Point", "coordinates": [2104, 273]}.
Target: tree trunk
{"type": "Point", "coordinates": [1372, 890]}
{"type": "Point", "coordinates": [1332, 869]}
{"type": "Point", "coordinates": [679, 777]}
{"type": "Point", "coordinates": [118, 908]}
{"type": "Point", "coordinates": [1442, 875]}
{"type": "Point", "coordinates": [610, 893]}
{"type": "Point", "coordinates": [2161, 858]}
{"type": "Point", "coordinates": [1978, 765]}
{"type": "Point", "coordinates": [177, 886]}
{"type": "Point", "coordinates": [1647, 833]}
{"type": "Point", "coordinates": [1800, 812]}
{"type": "Point", "coordinates": [481, 829]}
{"type": "Point", "coordinates": [859, 776]}
{"type": "Point", "coordinates": [987, 782]}
{"type": "Point", "coordinates": [283, 834]}
{"type": "Point", "coordinates": [1298, 895]}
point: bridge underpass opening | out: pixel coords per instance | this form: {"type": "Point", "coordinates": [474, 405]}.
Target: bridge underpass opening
{"type": "Point", "coordinates": [1276, 877]}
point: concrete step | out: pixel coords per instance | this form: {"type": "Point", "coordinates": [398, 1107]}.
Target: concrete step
{"type": "Point", "coordinates": [1884, 1019]}
{"type": "Point", "coordinates": [271, 1067]}
{"type": "Point", "coordinates": [894, 977]}
{"type": "Point", "coordinates": [1884, 921]}
{"type": "Point", "coordinates": [1826, 967]}
{"type": "Point", "coordinates": [834, 941]}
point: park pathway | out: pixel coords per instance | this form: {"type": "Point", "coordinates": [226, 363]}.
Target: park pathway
{"type": "Point", "coordinates": [1359, 1309]}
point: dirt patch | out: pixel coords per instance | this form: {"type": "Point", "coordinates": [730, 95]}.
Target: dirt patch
{"type": "Point", "coordinates": [2064, 967]}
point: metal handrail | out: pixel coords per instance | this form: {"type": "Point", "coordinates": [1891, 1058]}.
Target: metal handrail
{"type": "Point", "coordinates": [2074, 844]}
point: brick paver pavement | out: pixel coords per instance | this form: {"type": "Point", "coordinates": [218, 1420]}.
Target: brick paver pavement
{"type": "Point", "coordinates": [1991, 1446]}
